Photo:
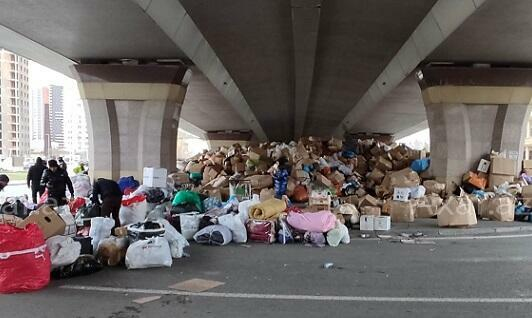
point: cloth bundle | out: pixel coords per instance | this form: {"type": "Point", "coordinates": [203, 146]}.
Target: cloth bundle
{"type": "Point", "coordinates": [267, 210]}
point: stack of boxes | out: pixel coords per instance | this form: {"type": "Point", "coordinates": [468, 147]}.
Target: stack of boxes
{"type": "Point", "coordinates": [502, 170]}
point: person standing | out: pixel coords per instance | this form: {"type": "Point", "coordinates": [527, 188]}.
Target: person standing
{"type": "Point", "coordinates": [62, 163]}
{"type": "Point", "coordinates": [33, 179]}
{"type": "Point", "coordinates": [56, 181]}
{"type": "Point", "coordinates": [111, 196]}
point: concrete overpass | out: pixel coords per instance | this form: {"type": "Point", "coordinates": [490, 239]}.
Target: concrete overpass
{"type": "Point", "coordinates": [282, 69]}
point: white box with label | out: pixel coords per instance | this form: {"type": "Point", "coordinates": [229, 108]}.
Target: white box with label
{"type": "Point", "coordinates": [483, 165]}
{"type": "Point", "coordinates": [154, 177]}
{"type": "Point", "coordinates": [383, 223]}
{"type": "Point", "coordinates": [367, 223]}
{"type": "Point", "coordinates": [401, 194]}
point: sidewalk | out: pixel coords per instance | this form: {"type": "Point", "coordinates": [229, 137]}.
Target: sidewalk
{"type": "Point", "coordinates": [429, 228]}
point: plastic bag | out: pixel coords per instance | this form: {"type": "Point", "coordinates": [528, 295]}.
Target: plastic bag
{"type": "Point", "coordinates": [76, 204]}
{"type": "Point", "coordinates": [238, 229]}
{"type": "Point", "coordinates": [185, 196]}
{"type": "Point", "coordinates": [133, 210]}
{"type": "Point", "coordinates": [176, 241]}
{"type": "Point", "coordinates": [44, 197]}
{"type": "Point", "coordinates": [16, 208]}
{"type": "Point", "coordinates": [420, 165]}
{"type": "Point", "coordinates": [339, 234]}
{"type": "Point", "coordinates": [153, 252]}
{"type": "Point", "coordinates": [284, 235]}
{"type": "Point", "coordinates": [128, 184]}
{"type": "Point", "coordinates": [214, 235]}
{"type": "Point", "coordinates": [24, 259]}
{"type": "Point", "coordinates": [63, 250]}
{"type": "Point", "coordinates": [84, 265]}
{"type": "Point", "coordinates": [322, 221]}
{"type": "Point", "coordinates": [261, 230]}
{"type": "Point", "coordinates": [100, 228]}
{"type": "Point", "coordinates": [243, 208]}
{"type": "Point", "coordinates": [82, 185]}
{"type": "Point", "coordinates": [189, 223]}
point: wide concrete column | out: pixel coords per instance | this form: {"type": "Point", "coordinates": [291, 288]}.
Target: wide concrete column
{"type": "Point", "coordinates": [471, 111]}
{"type": "Point", "coordinates": [132, 114]}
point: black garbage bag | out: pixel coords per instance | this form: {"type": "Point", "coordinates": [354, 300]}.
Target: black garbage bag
{"type": "Point", "coordinates": [86, 213]}
{"type": "Point", "coordinates": [16, 208]}
{"type": "Point", "coordinates": [155, 196]}
{"type": "Point", "coordinates": [184, 208]}
{"type": "Point", "coordinates": [84, 265]}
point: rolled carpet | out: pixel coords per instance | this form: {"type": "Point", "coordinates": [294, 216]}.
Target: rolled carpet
{"type": "Point", "coordinates": [267, 210]}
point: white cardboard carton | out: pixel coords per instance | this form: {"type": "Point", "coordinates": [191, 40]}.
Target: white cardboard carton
{"type": "Point", "coordinates": [483, 166]}
{"type": "Point", "coordinates": [382, 223]}
{"type": "Point", "coordinates": [154, 177]}
{"type": "Point", "coordinates": [367, 223]}
{"type": "Point", "coordinates": [401, 194]}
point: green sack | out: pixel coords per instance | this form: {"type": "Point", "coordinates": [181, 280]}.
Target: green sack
{"type": "Point", "coordinates": [186, 196]}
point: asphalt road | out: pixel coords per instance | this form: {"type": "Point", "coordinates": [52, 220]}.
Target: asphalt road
{"type": "Point", "coordinates": [470, 278]}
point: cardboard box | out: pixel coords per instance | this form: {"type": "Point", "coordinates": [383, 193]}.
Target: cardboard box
{"type": "Point", "coordinates": [383, 164]}
{"type": "Point", "coordinates": [382, 223]}
{"type": "Point", "coordinates": [435, 187]}
{"type": "Point", "coordinates": [195, 167]}
{"type": "Point", "coordinates": [428, 206]}
{"type": "Point", "coordinates": [501, 208]}
{"type": "Point", "coordinates": [483, 166]}
{"type": "Point", "coordinates": [401, 194]}
{"type": "Point", "coordinates": [502, 166]}
{"type": "Point", "coordinates": [48, 220]}
{"type": "Point", "coordinates": [400, 164]}
{"type": "Point", "coordinates": [370, 210]}
{"type": "Point", "coordinates": [376, 175]}
{"type": "Point", "coordinates": [368, 200]}
{"type": "Point", "coordinates": [238, 167]}
{"type": "Point", "coordinates": [324, 181]}
{"type": "Point", "coordinates": [12, 220]}
{"type": "Point", "coordinates": [154, 177]}
{"type": "Point", "coordinates": [180, 177]}
{"type": "Point", "coordinates": [402, 212]}
{"type": "Point", "coordinates": [367, 223]}
{"type": "Point", "coordinates": [260, 181]}
{"type": "Point", "coordinates": [406, 178]}
{"type": "Point", "coordinates": [396, 154]}
{"type": "Point", "coordinates": [120, 231]}
{"type": "Point", "coordinates": [337, 177]}
{"type": "Point", "coordinates": [527, 191]}
{"type": "Point", "coordinates": [475, 180]}
{"type": "Point", "coordinates": [527, 164]}
{"type": "Point", "coordinates": [209, 173]}
{"type": "Point", "coordinates": [457, 211]}
{"type": "Point", "coordinates": [496, 180]}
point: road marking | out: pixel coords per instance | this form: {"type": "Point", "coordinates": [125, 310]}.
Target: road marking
{"type": "Point", "coordinates": [299, 297]}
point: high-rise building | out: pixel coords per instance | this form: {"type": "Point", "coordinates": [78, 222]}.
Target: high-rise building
{"type": "Point", "coordinates": [37, 120]}
{"type": "Point", "coordinates": [76, 135]}
{"type": "Point", "coordinates": [14, 104]}
{"type": "Point", "coordinates": [56, 117]}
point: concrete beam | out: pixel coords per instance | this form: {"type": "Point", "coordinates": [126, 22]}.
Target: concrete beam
{"type": "Point", "coordinates": [305, 26]}
{"type": "Point", "coordinates": [21, 45]}
{"type": "Point", "coordinates": [443, 19]}
{"type": "Point", "coordinates": [173, 19]}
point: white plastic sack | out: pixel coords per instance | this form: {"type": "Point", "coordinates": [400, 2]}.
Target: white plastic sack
{"type": "Point", "coordinates": [68, 218]}
{"type": "Point", "coordinates": [340, 233]}
{"type": "Point", "coordinates": [82, 185]}
{"type": "Point", "coordinates": [214, 235]}
{"type": "Point", "coordinates": [243, 208]}
{"type": "Point", "coordinates": [417, 192]}
{"type": "Point", "coordinates": [189, 224]}
{"type": "Point", "coordinates": [133, 213]}
{"type": "Point", "coordinates": [238, 229]}
{"type": "Point", "coordinates": [63, 250]}
{"type": "Point", "coordinates": [153, 252]}
{"type": "Point", "coordinates": [100, 228]}
{"type": "Point", "coordinates": [176, 241]}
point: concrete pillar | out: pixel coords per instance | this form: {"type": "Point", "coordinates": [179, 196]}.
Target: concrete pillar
{"type": "Point", "coordinates": [132, 116]}
{"type": "Point", "coordinates": [471, 111]}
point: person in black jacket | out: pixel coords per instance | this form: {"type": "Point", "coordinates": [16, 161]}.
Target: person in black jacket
{"type": "Point", "coordinates": [56, 181]}
{"type": "Point", "coordinates": [34, 179]}
{"type": "Point", "coordinates": [111, 197]}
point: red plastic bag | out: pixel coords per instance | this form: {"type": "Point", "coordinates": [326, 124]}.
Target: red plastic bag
{"type": "Point", "coordinates": [44, 197]}
{"type": "Point", "coordinates": [24, 259]}
{"type": "Point", "coordinates": [261, 231]}
{"type": "Point", "coordinates": [76, 204]}
{"type": "Point", "coordinates": [131, 200]}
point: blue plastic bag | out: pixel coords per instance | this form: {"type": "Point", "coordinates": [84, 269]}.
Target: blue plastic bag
{"type": "Point", "coordinates": [128, 183]}
{"type": "Point", "coordinates": [420, 165]}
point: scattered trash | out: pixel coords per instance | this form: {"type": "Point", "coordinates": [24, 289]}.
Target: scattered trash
{"type": "Point", "coordinates": [328, 265]}
{"type": "Point", "coordinates": [196, 285]}
{"type": "Point", "coordinates": [365, 235]}
{"type": "Point", "coordinates": [144, 300]}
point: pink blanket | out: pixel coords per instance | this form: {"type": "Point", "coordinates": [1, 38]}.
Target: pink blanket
{"type": "Point", "coordinates": [322, 221]}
